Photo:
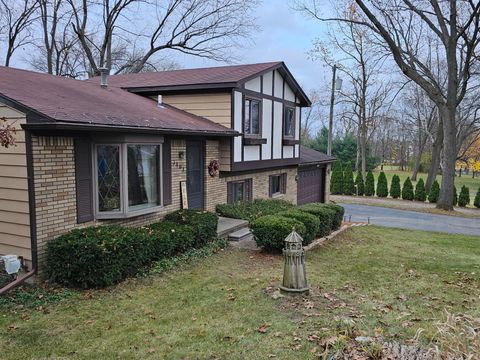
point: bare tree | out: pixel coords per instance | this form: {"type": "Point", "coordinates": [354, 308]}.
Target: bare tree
{"type": "Point", "coordinates": [403, 25]}
{"type": "Point", "coordinates": [16, 18]}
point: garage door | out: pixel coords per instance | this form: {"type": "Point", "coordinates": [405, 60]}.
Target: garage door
{"type": "Point", "coordinates": [310, 185]}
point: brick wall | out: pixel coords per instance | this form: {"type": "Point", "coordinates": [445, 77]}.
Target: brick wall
{"type": "Point", "coordinates": [55, 191]}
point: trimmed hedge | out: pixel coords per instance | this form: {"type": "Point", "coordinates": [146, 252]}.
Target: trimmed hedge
{"type": "Point", "coordinates": [336, 180]}
{"type": "Point", "coordinates": [464, 198]}
{"type": "Point", "coordinates": [270, 231]}
{"type": "Point", "coordinates": [382, 185]}
{"type": "Point", "coordinates": [203, 222]}
{"type": "Point", "coordinates": [311, 222]}
{"type": "Point", "coordinates": [420, 193]}
{"type": "Point", "coordinates": [324, 214]}
{"type": "Point", "coordinates": [339, 212]}
{"type": "Point", "coordinates": [253, 210]}
{"type": "Point", "coordinates": [434, 192]}
{"type": "Point", "coordinates": [348, 183]}
{"type": "Point", "coordinates": [360, 184]}
{"type": "Point", "coordinates": [370, 184]}
{"type": "Point", "coordinates": [395, 190]}
{"type": "Point", "coordinates": [104, 255]}
{"type": "Point", "coordinates": [455, 196]}
{"type": "Point", "coordinates": [476, 202]}
{"type": "Point", "coordinates": [407, 190]}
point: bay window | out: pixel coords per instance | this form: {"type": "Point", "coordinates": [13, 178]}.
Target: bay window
{"type": "Point", "coordinates": [127, 181]}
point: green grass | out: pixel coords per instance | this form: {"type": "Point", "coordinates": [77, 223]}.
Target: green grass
{"type": "Point", "coordinates": [368, 281]}
{"type": "Point", "coordinates": [467, 180]}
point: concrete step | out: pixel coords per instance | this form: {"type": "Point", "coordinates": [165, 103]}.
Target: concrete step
{"type": "Point", "coordinates": [239, 235]}
{"type": "Point", "coordinates": [227, 226]}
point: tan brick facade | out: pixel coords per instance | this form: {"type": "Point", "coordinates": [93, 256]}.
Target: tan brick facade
{"type": "Point", "coordinates": [55, 190]}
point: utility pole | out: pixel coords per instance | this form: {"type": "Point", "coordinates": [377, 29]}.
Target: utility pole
{"type": "Point", "coordinates": [330, 120]}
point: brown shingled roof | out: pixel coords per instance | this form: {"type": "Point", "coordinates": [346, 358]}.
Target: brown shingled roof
{"type": "Point", "coordinates": [66, 100]}
{"type": "Point", "coordinates": [212, 75]}
{"type": "Point", "coordinates": [311, 156]}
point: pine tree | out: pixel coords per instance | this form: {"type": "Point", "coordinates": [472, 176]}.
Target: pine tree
{"type": "Point", "coordinates": [434, 192]}
{"type": "Point", "coordinates": [455, 196]}
{"type": "Point", "coordinates": [407, 190]}
{"type": "Point", "coordinates": [348, 184]}
{"type": "Point", "coordinates": [420, 193]}
{"type": "Point", "coordinates": [382, 185]}
{"type": "Point", "coordinates": [336, 181]}
{"type": "Point", "coordinates": [464, 198]}
{"type": "Point", "coordinates": [370, 184]}
{"type": "Point", "coordinates": [360, 184]}
{"type": "Point", "coordinates": [395, 191]}
{"type": "Point", "coordinates": [476, 202]}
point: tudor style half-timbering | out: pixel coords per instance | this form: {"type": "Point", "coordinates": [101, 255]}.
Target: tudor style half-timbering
{"type": "Point", "coordinates": [88, 154]}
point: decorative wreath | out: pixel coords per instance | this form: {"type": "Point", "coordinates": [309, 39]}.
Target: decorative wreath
{"type": "Point", "coordinates": [214, 168]}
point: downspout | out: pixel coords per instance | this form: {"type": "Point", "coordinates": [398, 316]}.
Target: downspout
{"type": "Point", "coordinates": [33, 219]}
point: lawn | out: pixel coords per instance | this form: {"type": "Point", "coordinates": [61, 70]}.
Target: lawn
{"type": "Point", "coordinates": [467, 180]}
{"type": "Point", "coordinates": [370, 281]}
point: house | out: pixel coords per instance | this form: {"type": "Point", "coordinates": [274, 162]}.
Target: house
{"type": "Point", "coordinates": [130, 148]}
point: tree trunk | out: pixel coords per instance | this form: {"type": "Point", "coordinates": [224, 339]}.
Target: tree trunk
{"type": "Point", "coordinates": [436, 150]}
{"type": "Point", "coordinates": [357, 159]}
{"type": "Point", "coordinates": [418, 159]}
{"type": "Point", "coordinates": [445, 200]}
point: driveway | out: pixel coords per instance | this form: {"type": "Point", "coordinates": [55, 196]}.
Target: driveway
{"type": "Point", "coordinates": [412, 220]}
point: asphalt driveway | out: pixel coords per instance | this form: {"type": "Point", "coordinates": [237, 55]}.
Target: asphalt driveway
{"type": "Point", "coordinates": [412, 220]}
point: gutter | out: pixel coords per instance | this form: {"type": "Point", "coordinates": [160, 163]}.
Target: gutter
{"type": "Point", "coordinates": [120, 128]}
{"type": "Point", "coordinates": [32, 214]}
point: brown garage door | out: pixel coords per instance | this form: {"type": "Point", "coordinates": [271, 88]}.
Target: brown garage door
{"type": "Point", "coordinates": [310, 185]}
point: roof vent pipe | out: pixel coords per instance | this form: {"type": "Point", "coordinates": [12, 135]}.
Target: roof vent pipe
{"type": "Point", "coordinates": [160, 101]}
{"type": "Point", "coordinates": [104, 77]}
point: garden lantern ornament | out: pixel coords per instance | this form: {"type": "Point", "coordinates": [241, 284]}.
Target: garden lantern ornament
{"type": "Point", "coordinates": [294, 273]}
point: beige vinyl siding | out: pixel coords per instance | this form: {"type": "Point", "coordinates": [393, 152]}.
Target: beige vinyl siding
{"type": "Point", "coordinates": [216, 107]}
{"type": "Point", "coordinates": [14, 218]}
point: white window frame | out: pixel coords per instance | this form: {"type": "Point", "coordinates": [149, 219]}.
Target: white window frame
{"type": "Point", "coordinates": [123, 161]}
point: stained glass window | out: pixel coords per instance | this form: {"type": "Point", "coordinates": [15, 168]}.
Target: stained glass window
{"type": "Point", "coordinates": [108, 177]}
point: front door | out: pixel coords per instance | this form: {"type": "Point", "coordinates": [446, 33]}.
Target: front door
{"type": "Point", "coordinates": [195, 174]}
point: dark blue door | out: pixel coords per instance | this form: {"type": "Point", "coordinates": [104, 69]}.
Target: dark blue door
{"type": "Point", "coordinates": [195, 174]}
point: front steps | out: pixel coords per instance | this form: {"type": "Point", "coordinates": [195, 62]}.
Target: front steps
{"type": "Point", "coordinates": [233, 229]}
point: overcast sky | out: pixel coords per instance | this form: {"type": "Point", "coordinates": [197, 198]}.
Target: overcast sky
{"type": "Point", "coordinates": [285, 35]}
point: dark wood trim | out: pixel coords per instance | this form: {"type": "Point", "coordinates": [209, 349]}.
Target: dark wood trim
{"type": "Point", "coordinates": [254, 141]}
{"type": "Point", "coordinates": [32, 207]}
{"type": "Point", "coordinates": [173, 89]}
{"type": "Point", "coordinates": [290, 142]}
{"type": "Point", "coordinates": [273, 85]}
{"type": "Point", "coordinates": [255, 94]}
{"type": "Point", "coordinates": [226, 174]}
{"type": "Point", "coordinates": [261, 84]}
{"type": "Point", "coordinates": [263, 164]}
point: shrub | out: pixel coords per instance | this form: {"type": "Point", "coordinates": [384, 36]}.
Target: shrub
{"type": "Point", "coordinates": [464, 198]}
{"type": "Point", "coordinates": [370, 184]}
{"type": "Point", "coordinates": [311, 222]}
{"type": "Point", "coordinates": [434, 192]}
{"type": "Point", "coordinates": [420, 193]}
{"type": "Point", "coordinates": [407, 190]}
{"type": "Point", "coordinates": [348, 183]}
{"type": "Point", "coordinates": [336, 181]}
{"type": "Point", "coordinates": [359, 183]}
{"type": "Point", "coordinates": [97, 256]}
{"type": "Point", "coordinates": [253, 210]}
{"type": "Point", "coordinates": [476, 202]}
{"type": "Point", "coordinates": [203, 222]}
{"type": "Point", "coordinates": [382, 185]}
{"type": "Point", "coordinates": [270, 231]}
{"type": "Point", "coordinates": [455, 196]}
{"type": "Point", "coordinates": [181, 237]}
{"type": "Point", "coordinates": [337, 219]}
{"type": "Point", "coordinates": [324, 214]}
{"type": "Point", "coordinates": [395, 191]}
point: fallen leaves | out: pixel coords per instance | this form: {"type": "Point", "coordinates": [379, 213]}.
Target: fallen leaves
{"type": "Point", "coordinates": [262, 329]}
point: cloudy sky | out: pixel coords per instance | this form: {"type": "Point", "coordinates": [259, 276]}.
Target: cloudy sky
{"type": "Point", "coordinates": [284, 35]}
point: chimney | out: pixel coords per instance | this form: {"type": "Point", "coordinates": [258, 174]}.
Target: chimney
{"type": "Point", "coordinates": [160, 101]}
{"type": "Point", "coordinates": [104, 77]}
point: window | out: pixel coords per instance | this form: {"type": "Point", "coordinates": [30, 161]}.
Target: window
{"type": "Point", "coordinates": [251, 123]}
{"type": "Point", "coordinates": [278, 184]}
{"type": "Point", "coordinates": [239, 191]}
{"type": "Point", "coordinates": [289, 122]}
{"type": "Point", "coordinates": [127, 179]}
